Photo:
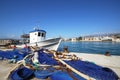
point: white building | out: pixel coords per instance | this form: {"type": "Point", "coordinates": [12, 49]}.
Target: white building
{"type": "Point", "coordinates": [73, 39]}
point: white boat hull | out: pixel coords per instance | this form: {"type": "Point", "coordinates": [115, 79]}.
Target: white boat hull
{"type": "Point", "coordinates": [51, 44]}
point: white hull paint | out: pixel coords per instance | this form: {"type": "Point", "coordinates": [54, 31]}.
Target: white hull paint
{"type": "Point", "coordinates": [51, 44]}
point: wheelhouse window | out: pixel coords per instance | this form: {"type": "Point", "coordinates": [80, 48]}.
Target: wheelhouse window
{"type": "Point", "coordinates": [39, 34]}
{"type": "Point", "coordinates": [42, 34]}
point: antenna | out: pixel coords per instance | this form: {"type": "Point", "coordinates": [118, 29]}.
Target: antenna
{"type": "Point", "coordinates": [36, 28]}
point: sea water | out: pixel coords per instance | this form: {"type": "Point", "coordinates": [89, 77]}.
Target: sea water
{"type": "Point", "coordinates": [91, 47]}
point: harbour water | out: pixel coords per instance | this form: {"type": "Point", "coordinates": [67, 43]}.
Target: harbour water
{"type": "Point", "coordinates": [92, 47]}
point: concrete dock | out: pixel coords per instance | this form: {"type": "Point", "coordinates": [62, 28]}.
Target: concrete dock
{"type": "Point", "coordinates": [5, 67]}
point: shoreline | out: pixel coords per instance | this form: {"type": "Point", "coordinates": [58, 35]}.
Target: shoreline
{"type": "Point", "coordinates": [91, 41]}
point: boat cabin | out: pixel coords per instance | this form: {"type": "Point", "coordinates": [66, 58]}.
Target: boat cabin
{"type": "Point", "coordinates": [37, 36]}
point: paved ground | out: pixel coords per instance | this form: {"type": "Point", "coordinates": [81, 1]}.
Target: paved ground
{"type": "Point", "coordinates": [4, 69]}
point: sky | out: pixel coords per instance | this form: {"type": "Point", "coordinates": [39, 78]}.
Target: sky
{"type": "Point", "coordinates": [65, 18]}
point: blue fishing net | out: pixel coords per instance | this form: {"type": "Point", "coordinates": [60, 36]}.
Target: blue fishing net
{"type": "Point", "coordinates": [60, 75]}
{"type": "Point", "coordinates": [88, 68]}
{"type": "Point", "coordinates": [45, 58]}
{"type": "Point", "coordinates": [21, 74]}
{"type": "Point", "coordinates": [14, 54]}
{"type": "Point", "coordinates": [93, 70]}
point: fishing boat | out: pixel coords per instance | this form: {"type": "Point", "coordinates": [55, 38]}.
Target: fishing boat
{"type": "Point", "coordinates": [37, 38]}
